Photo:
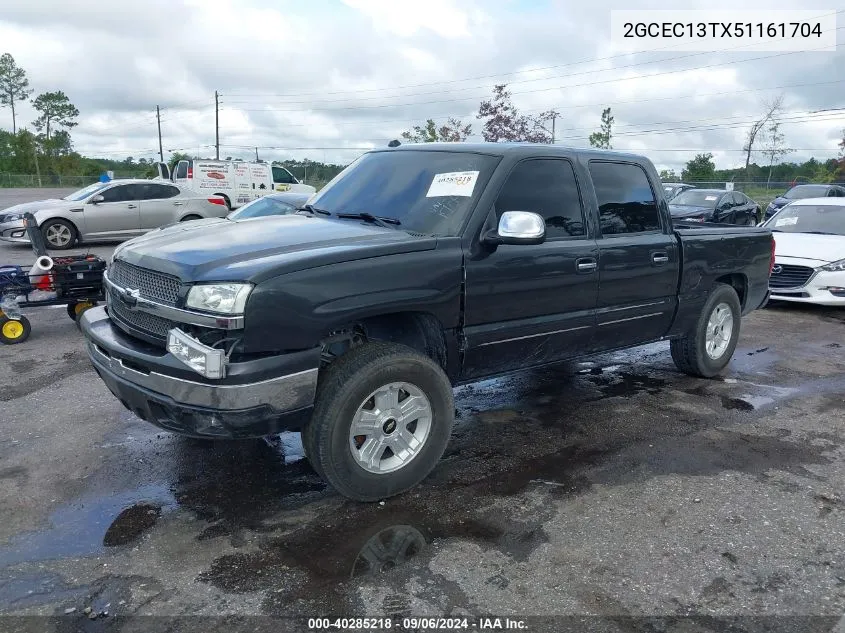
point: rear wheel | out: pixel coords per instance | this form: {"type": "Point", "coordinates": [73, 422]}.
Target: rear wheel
{"type": "Point", "coordinates": [382, 419]}
{"type": "Point", "coordinates": [708, 348]}
{"type": "Point", "coordinates": [14, 331]}
{"type": "Point", "coordinates": [75, 310]}
{"type": "Point", "coordinates": [59, 234]}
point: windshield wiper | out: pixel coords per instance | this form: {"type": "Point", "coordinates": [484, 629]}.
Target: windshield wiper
{"type": "Point", "coordinates": [369, 217]}
{"type": "Point", "coordinates": [820, 232]}
{"type": "Point", "coordinates": [310, 208]}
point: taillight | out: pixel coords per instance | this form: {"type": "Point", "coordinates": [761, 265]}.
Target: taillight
{"type": "Point", "coordinates": [772, 258]}
{"type": "Point", "coordinates": [190, 172]}
{"type": "Point", "coordinates": [220, 201]}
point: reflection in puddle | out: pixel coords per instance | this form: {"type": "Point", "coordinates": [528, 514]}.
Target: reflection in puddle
{"type": "Point", "coordinates": [388, 549]}
{"type": "Point", "coordinates": [79, 528]}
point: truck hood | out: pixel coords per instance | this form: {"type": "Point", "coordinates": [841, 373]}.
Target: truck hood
{"type": "Point", "coordinates": [821, 248]}
{"type": "Point", "coordinates": [257, 249]}
{"type": "Point", "coordinates": [38, 205]}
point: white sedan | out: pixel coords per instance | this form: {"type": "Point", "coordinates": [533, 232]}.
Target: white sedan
{"type": "Point", "coordinates": [809, 252]}
{"type": "Point", "coordinates": [115, 210]}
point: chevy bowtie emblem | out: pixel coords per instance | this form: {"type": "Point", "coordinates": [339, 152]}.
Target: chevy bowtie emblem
{"type": "Point", "coordinates": [129, 296]}
{"type": "Point", "coordinates": [777, 270]}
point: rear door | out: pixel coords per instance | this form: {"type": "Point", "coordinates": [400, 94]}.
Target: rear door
{"type": "Point", "coordinates": [531, 304]}
{"type": "Point", "coordinates": [117, 216]}
{"type": "Point", "coordinates": [745, 210]}
{"type": "Point", "coordinates": [160, 205]}
{"type": "Point", "coordinates": [638, 258]}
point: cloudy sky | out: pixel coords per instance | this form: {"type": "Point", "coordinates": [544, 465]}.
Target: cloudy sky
{"type": "Point", "coordinates": [334, 76]}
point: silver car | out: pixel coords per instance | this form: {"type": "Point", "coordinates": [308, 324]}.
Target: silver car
{"type": "Point", "coordinates": [106, 211]}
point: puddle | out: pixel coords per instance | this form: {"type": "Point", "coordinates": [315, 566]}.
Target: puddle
{"type": "Point", "coordinates": [79, 528]}
{"type": "Point", "coordinates": [626, 384]}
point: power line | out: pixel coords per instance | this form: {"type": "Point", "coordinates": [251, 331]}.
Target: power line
{"type": "Point", "coordinates": [591, 83]}
{"type": "Point", "coordinates": [568, 64]}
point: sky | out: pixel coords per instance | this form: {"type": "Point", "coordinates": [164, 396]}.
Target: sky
{"type": "Point", "coordinates": [325, 79]}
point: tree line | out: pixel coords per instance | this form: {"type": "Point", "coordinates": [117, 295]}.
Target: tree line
{"type": "Point", "coordinates": [48, 151]}
{"type": "Point", "coordinates": [502, 121]}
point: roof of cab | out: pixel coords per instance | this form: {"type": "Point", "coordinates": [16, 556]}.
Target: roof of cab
{"type": "Point", "coordinates": [504, 149]}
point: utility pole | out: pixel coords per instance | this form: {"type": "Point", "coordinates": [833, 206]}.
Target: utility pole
{"type": "Point", "coordinates": [216, 126]}
{"type": "Point", "coordinates": [256, 154]}
{"type": "Point", "coordinates": [160, 150]}
{"type": "Point", "coordinates": [554, 118]}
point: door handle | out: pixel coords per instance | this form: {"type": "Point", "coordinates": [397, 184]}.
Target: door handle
{"type": "Point", "coordinates": [131, 206]}
{"type": "Point", "coordinates": [586, 265]}
{"type": "Point", "coordinates": [659, 258]}
{"type": "Point", "coordinates": [178, 204]}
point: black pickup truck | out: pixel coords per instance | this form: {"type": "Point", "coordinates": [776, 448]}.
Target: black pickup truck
{"type": "Point", "coordinates": [416, 269]}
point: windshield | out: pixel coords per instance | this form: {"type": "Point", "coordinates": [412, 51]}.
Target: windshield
{"type": "Point", "coordinates": [697, 198]}
{"type": "Point", "coordinates": [806, 191]}
{"type": "Point", "coordinates": [262, 207]}
{"type": "Point", "coordinates": [810, 218]}
{"type": "Point", "coordinates": [76, 196]}
{"type": "Point", "coordinates": [427, 191]}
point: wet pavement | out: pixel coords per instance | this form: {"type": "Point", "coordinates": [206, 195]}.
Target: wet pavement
{"type": "Point", "coordinates": [614, 486]}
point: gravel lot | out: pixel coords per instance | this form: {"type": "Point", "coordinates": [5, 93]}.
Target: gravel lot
{"type": "Point", "coordinates": [614, 488]}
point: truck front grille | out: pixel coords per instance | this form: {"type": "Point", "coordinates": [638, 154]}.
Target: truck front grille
{"type": "Point", "coordinates": [152, 285]}
{"type": "Point", "coordinates": [153, 327]}
{"type": "Point", "coordinates": [789, 276]}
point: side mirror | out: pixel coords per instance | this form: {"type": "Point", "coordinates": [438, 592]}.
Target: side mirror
{"type": "Point", "coordinates": [98, 199]}
{"type": "Point", "coordinates": [518, 227]}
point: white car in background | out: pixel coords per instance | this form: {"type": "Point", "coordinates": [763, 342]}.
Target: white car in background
{"type": "Point", "coordinates": [809, 252]}
{"type": "Point", "coordinates": [106, 211]}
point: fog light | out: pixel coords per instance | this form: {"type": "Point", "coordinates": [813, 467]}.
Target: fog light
{"type": "Point", "coordinates": [836, 291]}
{"type": "Point", "coordinates": [17, 233]}
{"type": "Point", "coordinates": [206, 361]}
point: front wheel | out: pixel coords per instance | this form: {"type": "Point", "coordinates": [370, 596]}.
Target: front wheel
{"type": "Point", "coordinates": [708, 348]}
{"type": "Point", "coordinates": [59, 234]}
{"type": "Point", "coordinates": [382, 419]}
{"type": "Point", "coordinates": [190, 218]}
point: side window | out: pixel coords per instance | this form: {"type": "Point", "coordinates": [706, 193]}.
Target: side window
{"type": "Point", "coordinates": [182, 169]}
{"type": "Point", "coordinates": [159, 192]}
{"type": "Point", "coordinates": [120, 193]}
{"type": "Point", "coordinates": [281, 175]}
{"type": "Point", "coordinates": [626, 201]}
{"type": "Point", "coordinates": [547, 187]}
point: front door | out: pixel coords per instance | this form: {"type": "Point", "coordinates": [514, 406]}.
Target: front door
{"type": "Point", "coordinates": [638, 258]}
{"type": "Point", "coordinates": [531, 304]}
{"type": "Point", "coordinates": [117, 216]}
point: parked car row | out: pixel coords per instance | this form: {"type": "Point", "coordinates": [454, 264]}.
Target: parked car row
{"type": "Point", "coordinates": [731, 207]}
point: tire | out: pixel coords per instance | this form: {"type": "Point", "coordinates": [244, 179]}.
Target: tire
{"type": "Point", "coordinates": [188, 218]}
{"type": "Point", "coordinates": [59, 234]}
{"type": "Point", "coordinates": [344, 392]}
{"type": "Point", "coordinates": [75, 310]}
{"type": "Point", "coordinates": [690, 352]}
{"type": "Point", "coordinates": [14, 331]}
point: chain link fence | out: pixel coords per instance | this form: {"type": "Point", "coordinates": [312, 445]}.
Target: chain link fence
{"type": "Point", "coordinates": [13, 181]}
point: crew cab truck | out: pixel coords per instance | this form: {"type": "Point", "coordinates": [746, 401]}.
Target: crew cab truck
{"type": "Point", "coordinates": [418, 268]}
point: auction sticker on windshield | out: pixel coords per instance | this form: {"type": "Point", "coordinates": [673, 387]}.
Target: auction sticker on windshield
{"type": "Point", "coordinates": [786, 221]}
{"type": "Point", "coordinates": [455, 183]}
{"type": "Point", "coordinates": [710, 198]}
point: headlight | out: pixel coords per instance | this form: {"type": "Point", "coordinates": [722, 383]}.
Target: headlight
{"type": "Point", "coordinates": [835, 267]}
{"type": "Point", "coordinates": [208, 361]}
{"type": "Point", "coordinates": [13, 217]}
{"type": "Point", "coordinates": [771, 206]}
{"type": "Point", "coordinates": [220, 298]}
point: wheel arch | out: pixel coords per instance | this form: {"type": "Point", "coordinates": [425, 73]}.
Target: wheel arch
{"type": "Point", "coordinates": [421, 331]}
{"type": "Point", "coordinates": [739, 282]}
